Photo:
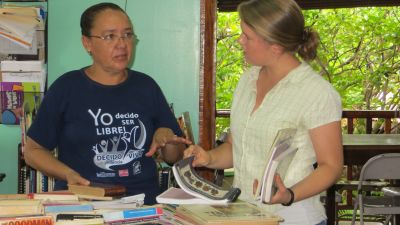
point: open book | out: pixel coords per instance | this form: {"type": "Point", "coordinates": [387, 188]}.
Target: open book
{"type": "Point", "coordinates": [195, 185]}
{"type": "Point", "coordinates": [177, 196]}
{"type": "Point", "coordinates": [280, 158]}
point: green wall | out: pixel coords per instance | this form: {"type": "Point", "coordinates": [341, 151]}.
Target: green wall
{"type": "Point", "coordinates": [10, 136]}
{"type": "Point", "coordinates": [169, 49]}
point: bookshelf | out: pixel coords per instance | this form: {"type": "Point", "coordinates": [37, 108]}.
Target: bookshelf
{"type": "Point", "coordinates": [14, 52]}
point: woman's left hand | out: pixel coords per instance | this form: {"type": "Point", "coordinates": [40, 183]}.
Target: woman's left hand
{"type": "Point", "coordinates": [282, 194]}
{"type": "Point", "coordinates": [162, 137]}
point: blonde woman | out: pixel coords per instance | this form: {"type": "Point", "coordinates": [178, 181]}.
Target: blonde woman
{"type": "Point", "coordinates": [281, 91]}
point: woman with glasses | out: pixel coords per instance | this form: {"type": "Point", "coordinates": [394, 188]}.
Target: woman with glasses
{"type": "Point", "coordinates": [105, 120]}
{"type": "Point", "coordinates": [281, 91]}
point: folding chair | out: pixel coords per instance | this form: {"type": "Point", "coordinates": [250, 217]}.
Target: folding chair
{"type": "Point", "coordinates": [383, 166]}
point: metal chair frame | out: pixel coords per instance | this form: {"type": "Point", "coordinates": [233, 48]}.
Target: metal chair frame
{"type": "Point", "coordinates": [383, 166]}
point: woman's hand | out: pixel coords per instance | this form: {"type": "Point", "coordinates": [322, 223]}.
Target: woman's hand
{"type": "Point", "coordinates": [282, 194]}
{"type": "Point", "coordinates": [162, 137]}
{"type": "Point", "coordinates": [73, 177]}
{"type": "Point", "coordinates": [201, 157]}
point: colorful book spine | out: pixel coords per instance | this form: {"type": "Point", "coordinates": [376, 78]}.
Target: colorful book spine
{"type": "Point", "coordinates": [132, 214]}
{"type": "Point", "coordinates": [13, 97]}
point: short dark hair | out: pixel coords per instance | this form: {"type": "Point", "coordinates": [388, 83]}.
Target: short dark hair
{"type": "Point", "coordinates": [89, 15]}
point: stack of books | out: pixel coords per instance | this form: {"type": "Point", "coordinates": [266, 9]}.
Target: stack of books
{"type": "Point", "coordinates": [240, 213]}
{"type": "Point", "coordinates": [64, 208]}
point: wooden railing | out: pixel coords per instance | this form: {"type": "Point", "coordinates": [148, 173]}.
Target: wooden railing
{"type": "Point", "coordinates": [370, 115]}
{"type": "Point", "coordinates": [351, 116]}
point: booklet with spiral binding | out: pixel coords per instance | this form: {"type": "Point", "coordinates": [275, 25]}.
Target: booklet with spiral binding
{"type": "Point", "coordinates": [281, 156]}
{"type": "Point", "coordinates": [195, 185]}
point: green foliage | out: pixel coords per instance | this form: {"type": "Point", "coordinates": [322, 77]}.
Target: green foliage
{"type": "Point", "coordinates": [358, 54]}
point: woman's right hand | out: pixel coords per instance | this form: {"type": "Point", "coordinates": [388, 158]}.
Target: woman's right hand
{"type": "Point", "coordinates": [201, 157]}
{"type": "Point", "coordinates": [73, 177]}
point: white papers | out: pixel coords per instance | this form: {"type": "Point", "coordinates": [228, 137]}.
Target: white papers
{"type": "Point", "coordinates": [21, 66]}
{"type": "Point", "coordinates": [19, 24]}
{"type": "Point", "coordinates": [39, 77]}
{"type": "Point", "coordinates": [9, 46]}
{"type": "Point", "coordinates": [178, 196]}
{"type": "Point", "coordinates": [23, 71]}
{"type": "Point", "coordinates": [129, 202]}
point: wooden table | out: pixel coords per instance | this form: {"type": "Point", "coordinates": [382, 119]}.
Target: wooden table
{"type": "Point", "coordinates": [357, 149]}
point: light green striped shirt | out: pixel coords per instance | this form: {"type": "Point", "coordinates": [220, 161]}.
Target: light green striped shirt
{"type": "Point", "coordinates": [301, 100]}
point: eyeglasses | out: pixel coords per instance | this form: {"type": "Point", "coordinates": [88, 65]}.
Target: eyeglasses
{"type": "Point", "coordinates": [111, 38]}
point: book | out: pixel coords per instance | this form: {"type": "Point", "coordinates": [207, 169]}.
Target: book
{"type": "Point", "coordinates": [178, 196]}
{"type": "Point", "coordinates": [129, 202]}
{"type": "Point", "coordinates": [195, 185]}
{"type": "Point", "coordinates": [44, 196]}
{"type": "Point", "coordinates": [94, 197]}
{"type": "Point", "coordinates": [186, 126]}
{"type": "Point", "coordinates": [97, 189]}
{"type": "Point", "coordinates": [13, 208]}
{"type": "Point", "coordinates": [133, 215]}
{"type": "Point", "coordinates": [165, 178]}
{"type": "Point", "coordinates": [61, 208]}
{"type": "Point", "coordinates": [46, 220]}
{"type": "Point", "coordinates": [13, 95]}
{"type": "Point", "coordinates": [93, 221]}
{"type": "Point", "coordinates": [279, 160]}
{"type": "Point", "coordinates": [54, 196]}
{"type": "Point", "coordinates": [14, 197]}
{"type": "Point", "coordinates": [72, 219]}
{"type": "Point", "coordinates": [240, 213]}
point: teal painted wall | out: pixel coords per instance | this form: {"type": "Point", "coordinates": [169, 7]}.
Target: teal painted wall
{"type": "Point", "coordinates": [10, 136]}
{"type": "Point", "coordinates": [168, 50]}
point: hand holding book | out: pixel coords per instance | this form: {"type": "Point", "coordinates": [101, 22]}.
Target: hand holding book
{"type": "Point", "coordinates": [162, 137]}
{"type": "Point", "coordinates": [72, 177]}
{"type": "Point", "coordinates": [279, 160]}
{"type": "Point", "coordinates": [201, 158]}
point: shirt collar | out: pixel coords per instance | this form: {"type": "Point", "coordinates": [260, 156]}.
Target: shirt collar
{"type": "Point", "coordinates": [294, 76]}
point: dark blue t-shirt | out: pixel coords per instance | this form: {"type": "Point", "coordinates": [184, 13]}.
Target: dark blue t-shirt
{"type": "Point", "coordinates": [103, 132]}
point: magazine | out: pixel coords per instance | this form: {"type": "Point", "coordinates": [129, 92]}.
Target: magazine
{"type": "Point", "coordinates": [280, 158]}
{"type": "Point", "coordinates": [195, 185]}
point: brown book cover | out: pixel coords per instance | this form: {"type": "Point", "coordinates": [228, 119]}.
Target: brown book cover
{"type": "Point", "coordinates": [97, 189]}
{"type": "Point", "coordinates": [235, 213]}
